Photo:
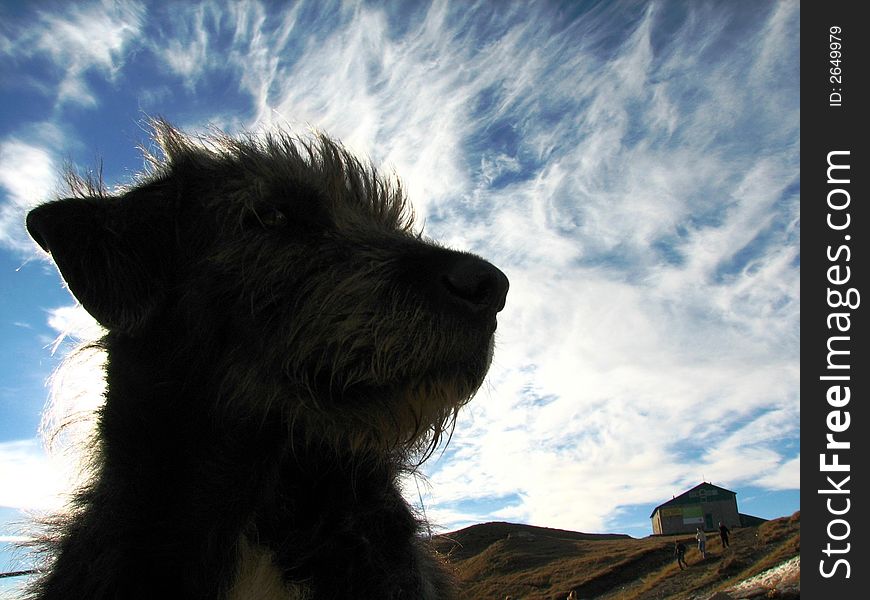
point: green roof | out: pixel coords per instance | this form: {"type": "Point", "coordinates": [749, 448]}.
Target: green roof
{"type": "Point", "coordinates": [703, 492]}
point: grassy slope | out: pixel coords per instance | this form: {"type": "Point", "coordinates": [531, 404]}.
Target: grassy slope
{"type": "Point", "coordinates": [495, 560]}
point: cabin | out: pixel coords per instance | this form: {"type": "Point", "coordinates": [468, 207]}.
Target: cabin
{"type": "Point", "coordinates": [704, 506]}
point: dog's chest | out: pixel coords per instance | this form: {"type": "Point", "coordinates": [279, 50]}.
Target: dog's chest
{"type": "Point", "coordinates": [259, 579]}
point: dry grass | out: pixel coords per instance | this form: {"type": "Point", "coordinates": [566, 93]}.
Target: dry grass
{"type": "Point", "coordinates": [496, 560]}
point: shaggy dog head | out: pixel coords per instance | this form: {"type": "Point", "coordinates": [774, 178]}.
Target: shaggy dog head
{"type": "Point", "coordinates": [286, 276]}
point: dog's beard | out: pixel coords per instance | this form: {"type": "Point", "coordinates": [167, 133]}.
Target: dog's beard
{"type": "Point", "coordinates": [410, 415]}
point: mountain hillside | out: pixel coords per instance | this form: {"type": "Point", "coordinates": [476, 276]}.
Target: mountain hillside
{"type": "Point", "coordinates": [497, 560]}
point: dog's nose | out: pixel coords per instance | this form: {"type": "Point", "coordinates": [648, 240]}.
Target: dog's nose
{"type": "Point", "coordinates": [481, 285]}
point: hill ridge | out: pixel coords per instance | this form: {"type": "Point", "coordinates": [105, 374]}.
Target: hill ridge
{"type": "Point", "coordinates": [500, 559]}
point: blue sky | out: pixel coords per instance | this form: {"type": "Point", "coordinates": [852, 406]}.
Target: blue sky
{"type": "Point", "coordinates": [632, 166]}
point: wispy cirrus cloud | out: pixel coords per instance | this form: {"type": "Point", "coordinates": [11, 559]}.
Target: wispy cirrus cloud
{"type": "Point", "coordinates": [633, 167]}
{"type": "Point", "coordinates": [84, 38]}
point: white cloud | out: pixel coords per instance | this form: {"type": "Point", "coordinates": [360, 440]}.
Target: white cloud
{"type": "Point", "coordinates": [785, 476]}
{"type": "Point", "coordinates": [29, 478]}
{"type": "Point", "coordinates": [85, 37]}
{"type": "Point", "coordinates": [635, 405]}
{"type": "Point", "coordinates": [28, 176]}
{"type": "Point", "coordinates": [186, 53]}
{"type": "Point", "coordinates": [636, 367]}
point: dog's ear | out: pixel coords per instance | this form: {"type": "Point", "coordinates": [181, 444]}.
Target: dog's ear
{"type": "Point", "coordinates": [113, 254]}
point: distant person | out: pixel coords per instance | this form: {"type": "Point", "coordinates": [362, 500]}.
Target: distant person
{"type": "Point", "coordinates": [702, 542]}
{"type": "Point", "coordinates": [680, 554]}
{"type": "Point", "coordinates": [723, 534]}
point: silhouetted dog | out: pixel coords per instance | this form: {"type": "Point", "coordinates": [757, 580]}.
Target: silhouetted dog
{"type": "Point", "coordinates": [282, 346]}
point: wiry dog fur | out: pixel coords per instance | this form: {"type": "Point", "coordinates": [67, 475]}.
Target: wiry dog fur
{"type": "Point", "coordinates": [281, 346]}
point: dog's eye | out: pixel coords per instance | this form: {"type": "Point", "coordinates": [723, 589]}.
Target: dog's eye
{"type": "Point", "coordinates": [275, 218]}
{"type": "Point", "coordinates": [272, 218]}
